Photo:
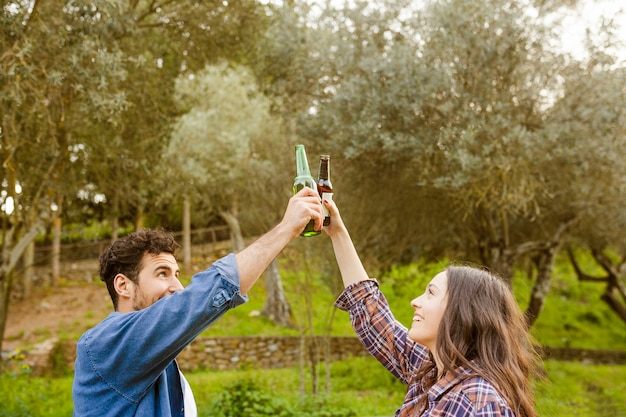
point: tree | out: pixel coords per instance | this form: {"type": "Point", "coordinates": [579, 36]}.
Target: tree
{"type": "Point", "coordinates": [454, 121]}
{"type": "Point", "coordinates": [223, 149]}
{"type": "Point", "coordinates": [276, 306]}
{"type": "Point", "coordinates": [455, 108]}
{"type": "Point", "coordinates": [158, 43]}
{"type": "Point", "coordinates": [217, 142]}
{"type": "Point", "coordinates": [592, 123]}
{"type": "Point", "coordinates": [50, 77]}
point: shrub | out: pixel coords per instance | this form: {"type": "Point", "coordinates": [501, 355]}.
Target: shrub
{"type": "Point", "coordinates": [244, 398]}
{"type": "Point", "coordinates": [14, 364]}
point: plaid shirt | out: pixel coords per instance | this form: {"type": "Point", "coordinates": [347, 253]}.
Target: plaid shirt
{"type": "Point", "coordinates": [460, 395]}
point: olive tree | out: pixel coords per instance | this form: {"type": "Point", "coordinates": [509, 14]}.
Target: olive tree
{"type": "Point", "coordinates": [451, 120]}
{"type": "Point", "coordinates": [589, 121]}
{"type": "Point", "coordinates": [51, 78]}
{"type": "Point", "coordinates": [225, 156]}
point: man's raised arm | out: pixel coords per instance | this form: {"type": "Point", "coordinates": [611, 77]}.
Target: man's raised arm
{"type": "Point", "coordinates": [254, 259]}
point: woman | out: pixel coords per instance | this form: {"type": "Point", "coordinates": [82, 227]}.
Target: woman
{"type": "Point", "coordinates": [468, 351]}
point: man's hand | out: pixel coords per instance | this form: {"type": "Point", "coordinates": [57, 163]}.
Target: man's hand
{"type": "Point", "coordinates": [253, 260]}
{"type": "Point", "coordinates": [303, 207]}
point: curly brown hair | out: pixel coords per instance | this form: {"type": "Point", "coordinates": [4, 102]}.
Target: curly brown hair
{"type": "Point", "coordinates": [125, 255]}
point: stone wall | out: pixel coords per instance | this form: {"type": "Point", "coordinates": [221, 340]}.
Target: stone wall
{"type": "Point", "coordinates": [228, 353]}
{"type": "Point", "coordinates": [220, 353]}
{"type": "Point", "coordinates": [225, 353]}
{"type": "Point", "coordinates": [596, 356]}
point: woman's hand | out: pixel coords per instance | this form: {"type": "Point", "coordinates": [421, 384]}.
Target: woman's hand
{"type": "Point", "coordinates": [336, 223]}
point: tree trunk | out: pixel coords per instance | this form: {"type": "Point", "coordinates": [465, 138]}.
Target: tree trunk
{"type": "Point", "coordinates": [544, 262]}
{"type": "Point", "coordinates": [5, 296]}
{"type": "Point", "coordinates": [56, 249]}
{"type": "Point", "coordinates": [29, 270]}
{"type": "Point", "coordinates": [615, 293]}
{"type": "Point", "coordinates": [186, 234]}
{"type": "Point", "coordinates": [276, 306]}
{"type": "Point", "coordinates": [235, 229]}
{"type": "Point", "coordinates": [314, 361]}
{"type": "Point", "coordinates": [302, 364]}
{"type": "Point", "coordinates": [10, 256]}
{"type": "Point", "coordinates": [139, 219]}
{"type": "Point", "coordinates": [613, 301]}
{"type": "Point", "coordinates": [493, 246]}
{"type": "Point", "coordinates": [501, 261]}
{"type": "Point", "coordinates": [115, 228]}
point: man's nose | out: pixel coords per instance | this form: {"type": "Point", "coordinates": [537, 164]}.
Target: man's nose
{"type": "Point", "coordinates": [176, 285]}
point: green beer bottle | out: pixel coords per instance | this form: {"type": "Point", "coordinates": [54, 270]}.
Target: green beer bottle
{"type": "Point", "coordinates": [304, 179]}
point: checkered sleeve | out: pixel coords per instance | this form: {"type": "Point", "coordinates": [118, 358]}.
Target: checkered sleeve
{"type": "Point", "coordinates": [475, 397]}
{"type": "Point", "coordinates": [380, 333]}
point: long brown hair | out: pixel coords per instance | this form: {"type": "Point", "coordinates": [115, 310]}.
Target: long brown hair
{"type": "Point", "coordinates": [483, 323]}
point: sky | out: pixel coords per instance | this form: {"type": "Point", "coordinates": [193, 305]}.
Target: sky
{"type": "Point", "coordinates": [591, 12]}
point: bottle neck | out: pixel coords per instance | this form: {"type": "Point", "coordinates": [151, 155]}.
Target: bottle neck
{"type": "Point", "coordinates": [302, 165]}
{"type": "Point", "coordinates": [324, 171]}
{"type": "Point", "coordinates": [324, 174]}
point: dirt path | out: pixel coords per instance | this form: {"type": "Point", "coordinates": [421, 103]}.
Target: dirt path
{"type": "Point", "coordinates": [77, 303]}
{"type": "Point", "coordinates": [62, 311]}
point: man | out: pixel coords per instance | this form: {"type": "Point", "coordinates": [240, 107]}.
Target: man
{"type": "Point", "coordinates": [125, 366]}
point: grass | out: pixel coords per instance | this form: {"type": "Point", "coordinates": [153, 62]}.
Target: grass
{"type": "Point", "coordinates": [568, 390]}
{"type": "Point", "coordinates": [577, 390]}
{"type": "Point", "coordinates": [22, 396]}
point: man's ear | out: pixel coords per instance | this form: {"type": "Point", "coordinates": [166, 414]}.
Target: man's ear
{"type": "Point", "coordinates": [123, 286]}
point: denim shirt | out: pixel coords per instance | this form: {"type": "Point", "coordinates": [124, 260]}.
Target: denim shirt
{"type": "Point", "coordinates": [120, 363]}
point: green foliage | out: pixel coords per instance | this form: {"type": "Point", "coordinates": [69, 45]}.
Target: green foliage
{"type": "Point", "coordinates": [344, 397]}
{"type": "Point", "coordinates": [59, 366]}
{"type": "Point", "coordinates": [222, 143]}
{"type": "Point", "coordinates": [91, 231]}
{"type": "Point", "coordinates": [403, 283]}
{"type": "Point", "coordinates": [378, 378]}
{"type": "Point", "coordinates": [25, 396]}
{"type": "Point", "coordinates": [14, 365]}
{"type": "Point", "coordinates": [245, 398]}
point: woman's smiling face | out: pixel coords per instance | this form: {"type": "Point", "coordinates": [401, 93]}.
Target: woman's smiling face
{"type": "Point", "coordinates": [429, 308]}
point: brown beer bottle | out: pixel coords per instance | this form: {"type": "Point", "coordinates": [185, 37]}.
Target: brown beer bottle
{"type": "Point", "coordinates": [304, 179]}
{"type": "Point", "coordinates": [324, 186]}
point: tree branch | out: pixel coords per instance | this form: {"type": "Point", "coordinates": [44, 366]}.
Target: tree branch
{"type": "Point", "coordinates": [604, 262]}
{"type": "Point", "coordinates": [579, 272]}
{"type": "Point", "coordinates": [151, 9]}
{"type": "Point", "coordinates": [20, 247]}
{"type": "Point", "coordinates": [25, 26]}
